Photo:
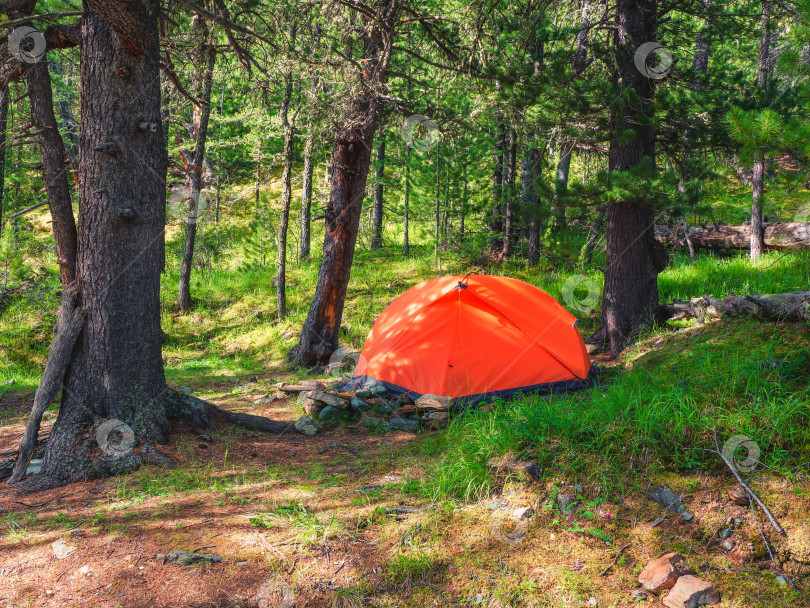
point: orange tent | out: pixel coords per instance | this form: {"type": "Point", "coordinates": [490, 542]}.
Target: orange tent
{"type": "Point", "coordinates": [475, 337]}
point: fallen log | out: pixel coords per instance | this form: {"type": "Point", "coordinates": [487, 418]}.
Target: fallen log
{"type": "Point", "coordinates": [789, 307]}
{"type": "Point", "coordinates": [787, 236]}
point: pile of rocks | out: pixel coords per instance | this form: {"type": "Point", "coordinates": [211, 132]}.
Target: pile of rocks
{"type": "Point", "coordinates": [669, 573]}
{"type": "Point", "coordinates": [370, 406]}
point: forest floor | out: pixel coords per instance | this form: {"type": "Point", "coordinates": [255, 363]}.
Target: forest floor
{"type": "Point", "coordinates": [319, 518]}
{"type": "Point", "coordinates": [322, 518]}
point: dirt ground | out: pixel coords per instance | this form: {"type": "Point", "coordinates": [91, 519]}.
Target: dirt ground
{"type": "Point", "coordinates": [333, 520]}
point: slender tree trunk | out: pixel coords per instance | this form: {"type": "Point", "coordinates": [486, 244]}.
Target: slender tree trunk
{"type": "Point", "coordinates": [351, 160]}
{"type": "Point", "coordinates": [406, 246]}
{"type": "Point", "coordinates": [202, 113]}
{"type": "Point", "coordinates": [116, 370]}
{"type": "Point", "coordinates": [379, 173]}
{"type": "Point", "coordinates": [3, 126]}
{"type": "Point", "coordinates": [578, 65]}
{"type": "Point", "coordinates": [437, 205]}
{"type": "Point", "coordinates": [560, 187]}
{"type": "Point", "coordinates": [52, 150]}
{"type": "Point", "coordinates": [257, 179]}
{"type": "Point", "coordinates": [496, 225]}
{"type": "Point", "coordinates": [286, 196]}
{"type": "Point", "coordinates": [509, 199]}
{"type": "Point", "coordinates": [581, 53]}
{"type": "Point", "coordinates": [463, 213]}
{"type": "Point", "coordinates": [590, 245]}
{"type": "Point", "coordinates": [758, 177]}
{"type": "Point", "coordinates": [529, 199]}
{"type": "Point", "coordinates": [68, 121]}
{"type": "Point", "coordinates": [634, 257]}
{"type": "Point", "coordinates": [306, 197]}
{"type": "Point", "coordinates": [700, 61]}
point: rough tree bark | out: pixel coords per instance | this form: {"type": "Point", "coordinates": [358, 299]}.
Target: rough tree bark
{"type": "Point", "coordinates": [206, 58]}
{"type": "Point", "coordinates": [758, 177]}
{"type": "Point", "coordinates": [379, 173]}
{"type": "Point", "coordinates": [634, 257]}
{"type": "Point", "coordinates": [286, 196]}
{"type": "Point", "coordinates": [351, 160]}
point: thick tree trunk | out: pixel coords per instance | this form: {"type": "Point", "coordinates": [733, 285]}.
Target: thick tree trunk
{"type": "Point", "coordinates": [286, 197]}
{"type": "Point", "coordinates": [306, 197]}
{"type": "Point", "coordinates": [634, 257]}
{"type": "Point", "coordinates": [786, 307]}
{"type": "Point", "coordinates": [203, 84]}
{"type": "Point", "coordinates": [788, 236]}
{"type": "Point", "coordinates": [379, 173]}
{"type": "Point", "coordinates": [52, 150]}
{"type": "Point", "coordinates": [406, 245]}
{"type": "Point", "coordinates": [758, 178]}
{"type": "Point", "coordinates": [496, 226]}
{"type": "Point", "coordinates": [116, 370]}
{"type": "Point", "coordinates": [510, 198]}
{"type": "Point", "coordinates": [351, 160]}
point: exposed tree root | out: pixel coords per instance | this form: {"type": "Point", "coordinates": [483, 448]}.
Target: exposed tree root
{"type": "Point", "coordinates": [180, 407]}
{"type": "Point", "coordinates": [788, 307]}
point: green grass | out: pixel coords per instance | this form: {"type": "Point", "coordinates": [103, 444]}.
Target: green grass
{"type": "Point", "coordinates": [655, 414]}
{"type": "Point", "coordinates": [662, 413]}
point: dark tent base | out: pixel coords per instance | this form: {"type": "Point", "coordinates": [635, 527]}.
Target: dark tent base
{"type": "Point", "coordinates": [552, 388]}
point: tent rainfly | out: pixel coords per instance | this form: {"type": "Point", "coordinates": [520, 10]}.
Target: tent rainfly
{"type": "Point", "coordinates": [474, 338]}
